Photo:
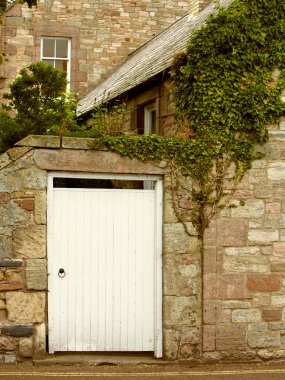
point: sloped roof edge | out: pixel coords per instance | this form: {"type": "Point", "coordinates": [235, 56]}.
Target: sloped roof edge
{"type": "Point", "coordinates": [149, 60]}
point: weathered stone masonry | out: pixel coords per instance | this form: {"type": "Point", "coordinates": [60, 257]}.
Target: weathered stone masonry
{"type": "Point", "coordinates": [102, 32]}
{"type": "Point", "coordinates": [244, 270]}
{"type": "Point", "coordinates": [23, 256]}
{"type": "Point", "coordinates": [244, 256]}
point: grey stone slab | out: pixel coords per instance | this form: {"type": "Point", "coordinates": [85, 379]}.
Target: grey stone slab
{"type": "Point", "coordinates": [18, 331]}
{"type": "Point", "coordinates": [11, 263]}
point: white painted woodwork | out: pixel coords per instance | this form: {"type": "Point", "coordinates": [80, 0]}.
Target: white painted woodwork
{"type": "Point", "coordinates": [109, 243]}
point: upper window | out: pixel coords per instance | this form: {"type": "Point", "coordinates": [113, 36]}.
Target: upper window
{"type": "Point", "coordinates": [56, 52]}
{"type": "Point", "coordinates": [149, 118]}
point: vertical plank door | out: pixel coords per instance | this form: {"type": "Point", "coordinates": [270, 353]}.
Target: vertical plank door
{"type": "Point", "coordinates": [103, 241]}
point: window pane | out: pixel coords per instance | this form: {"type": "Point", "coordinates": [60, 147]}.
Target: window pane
{"type": "Point", "coordinates": [48, 47]}
{"type": "Point", "coordinates": [61, 48]}
{"type": "Point", "coordinates": [48, 62]}
{"type": "Point", "coordinates": [61, 65]}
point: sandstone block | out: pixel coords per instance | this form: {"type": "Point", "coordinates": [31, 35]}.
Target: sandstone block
{"type": "Point", "coordinates": [263, 339]}
{"type": "Point", "coordinates": [242, 251]}
{"type": "Point", "coordinates": [32, 178]}
{"type": "Point", "coordinates": [246, 316]}
{"type": "Point", "coordinates": [255, 223]}
{"type": "Point", "coordinates": [25, 308]}
{"type": "Point", "coordinates": [238, 356]}
{"type": "Point", "coordinates": [11, 214]}
{"type": "Point", "coordinates": [36, 274]}
{"type": "Point", "coordinates": [257, 176]}
{"type": "Point", "coordinates": [263, 236]}
{"type": "Point", "coordinates": [264, 282]}
{"type": "Point", "coordinates": [40, 207]}
{"type": "Point", "coordinates": [211, 357]}
{"type": "Point", "coordinates": [16, 153]}
{"type": "Point", "coordinates": [210, 259]}
{"type": "Point", "coordinates": [279, 249]}
{"type": "Point", "coordinates": [10, 359]}
{"type": "Point", "coordinates": [26, 204]}
{"type": "Point", "coordinates": [210, 286]}
{"type": "Point", "coordinates": [40, 341]}
{"type": "Point", "coordinates": [26, 347]}
{"type": "Point", "coordinates": [5, 247]}
{"type": "Point", "coordinates": [180, 311]}
{"type": "Point", "coordinates": [209, 338]}
{"type": "Point", "coordinates": [263, 190]}
{"type": "Point", "coordinates": [169, 213]}
{"type": "Point", "coordinates": [276, 171]}
{"type": "Point", "coordinates": [246, 264]}
{"type": "Point", "coordinates": [209, 315]}
{"type": "Point", "coordinates": [273, 207]}
{"type": "Point", "coordinates": [4, 197]}
{"type": "Point", "coordinates": [271, 354]}
{"type": "Point", "coordinates": [230, 337]}
{"type": "Point", "coordinates": [91, 161]}
{"type": "Point", "coordinates": [4, 160]}
{"type": "Point", "coordinates": [232, 232]}
{"type": "Point", "coordinates": [258, 327]}
{"type": "Point", "coordinates": [276, 326]}
{"type": "Point", "coordinates": [231, 287]}
{"type": "Point", "coordinates": [278, 190]}
{"type": "Point", "coordinates": [272, 151]}
{"type": "Point", "coordinates": [270, 315]}
{"type": "Point", "coordinates": [277, 267]}
{"type": "Point", "coordinates": [273, 221]}
{"type": "Point", "coordinates": [30, 242]}
{"type": "Point", "coordinates": [171, 343]}
{"type": "Point", "coordinates": [236, 304]}
{"type": "Point", "coordinates": [266, 250]}
{"type": "Point", "coordinates": [13, 275]}
{"type": "Point", "coordinates": [278, 300]}
{"type": "Point", "coordinates": [190, 335]}
{"type": "Point", "coordinates": [6, 344]}
{"type": "Point", "coordinates": [177, 241]}
{"type": "Point", "coordinates": [6, 286]}
{"type": "Point", "coordinates": [251, 209]}
{"type": "Point", "coordinates": [187, 351]}
{"type": "Point", "coordinates": [40, 141]}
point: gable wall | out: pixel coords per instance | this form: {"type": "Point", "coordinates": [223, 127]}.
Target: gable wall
{"type": "Point", "coordinates": [102, 32]}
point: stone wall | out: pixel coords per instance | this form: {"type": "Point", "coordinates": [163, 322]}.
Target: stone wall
{"type": "Point", "coordinates": [244, 256]}
{"type": "Point", "coordinates": [23, 274]}
{"type": "Point", "coordinates": [102, 32]}
{"type": "Point", "coordinates": [244, 272]}
{"type": "Point", "coordinates": [23, 254]}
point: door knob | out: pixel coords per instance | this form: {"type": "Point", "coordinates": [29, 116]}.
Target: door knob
{"type": "Point", "coordinates": [61, 273]}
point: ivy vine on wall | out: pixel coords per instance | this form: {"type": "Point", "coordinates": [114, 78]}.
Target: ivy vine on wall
{"type": "Point", "coordinates": [228, 89]}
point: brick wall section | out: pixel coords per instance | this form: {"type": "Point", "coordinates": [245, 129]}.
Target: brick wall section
{"type": "Point", "coordinates": [103, 33]}
{"type": "Point", "coordinates": [244, 265]}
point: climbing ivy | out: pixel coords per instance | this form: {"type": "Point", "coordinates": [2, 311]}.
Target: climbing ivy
{"type": "Point", "coordinates": [228, 88]}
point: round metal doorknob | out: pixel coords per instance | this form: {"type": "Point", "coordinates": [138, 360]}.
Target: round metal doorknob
{"type": "Point", "coordinates": [61, 273]}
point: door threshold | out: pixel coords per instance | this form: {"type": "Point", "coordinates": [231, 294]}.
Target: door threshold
{"type": "Point", "coordinates": [100, 358]}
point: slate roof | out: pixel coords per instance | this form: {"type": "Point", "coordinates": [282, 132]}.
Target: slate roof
{"type": "Point", "coordinates": [149, 60]}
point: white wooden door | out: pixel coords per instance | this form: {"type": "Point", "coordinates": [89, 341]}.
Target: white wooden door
{"type": "Point", "coordinates": [107, 298]}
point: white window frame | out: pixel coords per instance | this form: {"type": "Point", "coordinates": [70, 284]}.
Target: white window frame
{"type": "Point", "coordinates": [68, 59]}
{"type": "Point", "coordinates": [148, 128]}
{"type": "Point", "coordinates": [148, 125]}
